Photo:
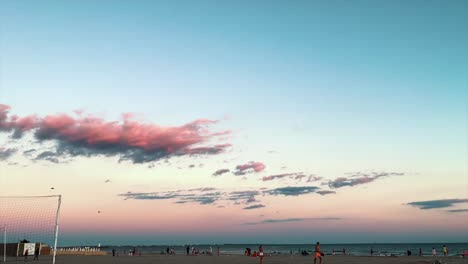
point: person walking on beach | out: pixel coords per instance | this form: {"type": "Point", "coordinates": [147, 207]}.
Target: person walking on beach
{"type": "Point", "coordinates": [445, 250]}
{"type": "Point", "coordinates": [260, 253]}
{"type": "Point", "coordinates": [318, 253]}
{"type": "Point", "coordinates": [372, 252]}
{"type": "Point", "coordinates": [26, 253]}
{"type": "Point", "coordinates": [344, 251]}
{"type": "Point", "coordinates": [188, 250]}
{"type": "Point", "coordinates": [434, 252]}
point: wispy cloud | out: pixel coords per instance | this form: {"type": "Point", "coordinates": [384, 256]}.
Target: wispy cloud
{"type": "Point", "coordinates": [220, 172]}
{"type": "Point", "coordinates": [288, 220]}
{"type": "Point", "coordinates": [434, 204]}
{"type": "Point", "coordinates": [292, 190]}
{"type": "Point", "coordinates": [298, 176]}
{"type": "Point", "coordinates": [130, 140]}
{"type": "Point", "coordinates": [458, 211]}
{"type": "Point", "coordinates": [326, 192]}
{"type": "Point", "coordinates": [6, 153]}
{"type": "Point", "coordinates": [360, 178]}
{"type": "Point", "coordinates": [255, 206]}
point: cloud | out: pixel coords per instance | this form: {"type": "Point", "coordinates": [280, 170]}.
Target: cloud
{"type": "Point", "coordinates": [6, 153]}
{"type": "Point", "coordinates": [255, 206]}
{"type": "Point", "coordinates": [292, 191]}
{"type": "Point", "coordinates": [49, 156]}
{"type": "Point", "coordinates": [294, 176]}
{"type": "Point", "coordinates": [130, 140]}
{"type": "Point", "coordinates": [249, 167]}
{"type": "Point", "coordinates": [360, 178]}
{"type": "Point", "coordinates": [220, 172]}
{"type": "Point", "coordinates": [434, 204]}
{"type": "Point", "coordinates": [326, 192]}
{"type": "Point", "coordinates": [205, 195]}
{"type": "Point", "coordinates": [457, 210]}
{"type": "Point", "coordinates": [288, 220]}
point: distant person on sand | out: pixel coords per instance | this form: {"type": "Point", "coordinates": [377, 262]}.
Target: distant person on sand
{"type": "Point", "coordinates": [445, 250]}
{"type": "Point", "coordinates": [26, 253]}
{"type": "Point", "coordinates": [464, 253]}
{"type": "Point", "coordinates": [372, 252]}
{"type": "Point", "coordinates": [188, 250]}
{"type": "Point", "coordinates": [36, 254]}
{"type": "Point", "coordinates": [344, 251]}
{"type": "Point", "coordinates": [420, 252]}
{"type": "Point", "coordinates": [434, 252]}
{"type": "Point", "coordinates": [318, 253]}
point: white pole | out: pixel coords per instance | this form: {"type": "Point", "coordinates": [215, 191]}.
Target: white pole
{"type": "Point", "coordinates": [56, 228]}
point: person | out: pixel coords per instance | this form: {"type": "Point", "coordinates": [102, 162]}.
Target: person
{"type": "Point", "coordinates": [26, 253]}
{"type": "Point", "coordinates": [372, 252]}
{"type": "Point", "coordinates": [218, 251]}
{"type": "Point", "coordinates": [318, 253]}
{"type": "Point", "coordinates": [260, 253]}
{"type": "Point", "coordinates": [464, 253]}
{"type": "Point", "coordinates": [408, 252]}
{"type": "Point", "coordinates": [333, 253]}
{"type": "Point", "coordinates": [344, 251]}
{"type": "Point", "coordinates": [36, 254]}
{"type": "Point", "coordinates": [188, 250]}
{"type": "Point", "coordinates": [167, 251]}
{"type": "Point", "coordinates": [434, 252]}
{"type": "Point", "coordinates": [113, 252]}
{"type": "Point", "coordinates": [420, 252]}
{"type": "Point", "coordinates": [211, 251]}
{"type": "Point", "coordinates": [445, 250]}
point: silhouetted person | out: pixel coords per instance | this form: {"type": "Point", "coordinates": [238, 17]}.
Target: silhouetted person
{"type": "Point", "coordinates": [26, 253]}
{"type": "Point", "coordinates": [408, 252]}
{"type": "Point", "coordinates": [113, 252]}
{"type": "Point", "coordinates": [188, 250]}
{"type": "Point", "coordinates": [36, 254]}
{"type": "Point", "coordinates": [372, 252]}
{"type": "Point", "coordinates": [420, 252]}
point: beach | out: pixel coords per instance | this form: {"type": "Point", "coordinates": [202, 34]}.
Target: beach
{"type": "Point", "coordinates": [235, 259]}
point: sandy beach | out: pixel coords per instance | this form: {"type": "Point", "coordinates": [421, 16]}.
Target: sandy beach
{"type": "Point", "coordinates": [229, 259]}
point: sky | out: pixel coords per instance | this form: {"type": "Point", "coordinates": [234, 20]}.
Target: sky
{"type": "Point", "coordinates": [232, 122]}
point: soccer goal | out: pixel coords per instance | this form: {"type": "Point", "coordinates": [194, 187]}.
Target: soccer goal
{"type": "Point", "coordinates": [29, 227]}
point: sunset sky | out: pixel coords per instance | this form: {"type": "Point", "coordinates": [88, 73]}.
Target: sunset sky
{"type": "Point", "coordinates": [229, 122]}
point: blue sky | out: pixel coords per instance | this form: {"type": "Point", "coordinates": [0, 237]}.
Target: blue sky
{"type": "Point", "coordinates": [331, 86]}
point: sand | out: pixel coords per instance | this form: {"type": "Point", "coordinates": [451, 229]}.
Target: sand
{"type": "Point", "coordinates": [286, 259]}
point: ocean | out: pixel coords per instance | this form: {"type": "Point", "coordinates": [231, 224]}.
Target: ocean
{"type": "Point", "coordinates": [392, 249]}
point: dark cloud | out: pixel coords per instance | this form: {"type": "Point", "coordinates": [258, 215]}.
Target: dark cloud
{"type": "Point", "coordinates": [270, 221]}
{"type": "Point", "coordinates": [255, 206]}
{"type": "Point", "coordinates": [6, 153]}
{"type": "Point", "coordinates": [433, 204]}
{"type": "Point", "coordinates": [326, 192]}
{"type": "Point", "coordinates": [360, 178]}
{"type": "Point", "coordinates": [48, 156]}
{"type": "Point", "coordinates": [220, 172]}
{"type": "Point", "coordinates": [292, 190]}
{"type": "Point", "coordinates": [129, 140]}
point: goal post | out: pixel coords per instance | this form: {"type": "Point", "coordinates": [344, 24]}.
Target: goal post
{"type": "Point", "coordinates": [29, 226]}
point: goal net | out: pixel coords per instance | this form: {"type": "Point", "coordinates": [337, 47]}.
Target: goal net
{"type": "Point", "coordinates": [29, 227]}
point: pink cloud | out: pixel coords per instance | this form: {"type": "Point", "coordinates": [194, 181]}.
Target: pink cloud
{"type": "Point", "coordinates": [250, 166]}
{"type": "Point", "coordinates": [137, 141]}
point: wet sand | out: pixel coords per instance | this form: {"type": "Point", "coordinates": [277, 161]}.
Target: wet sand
{"type": "Point", "coordinates": [281, 259]}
